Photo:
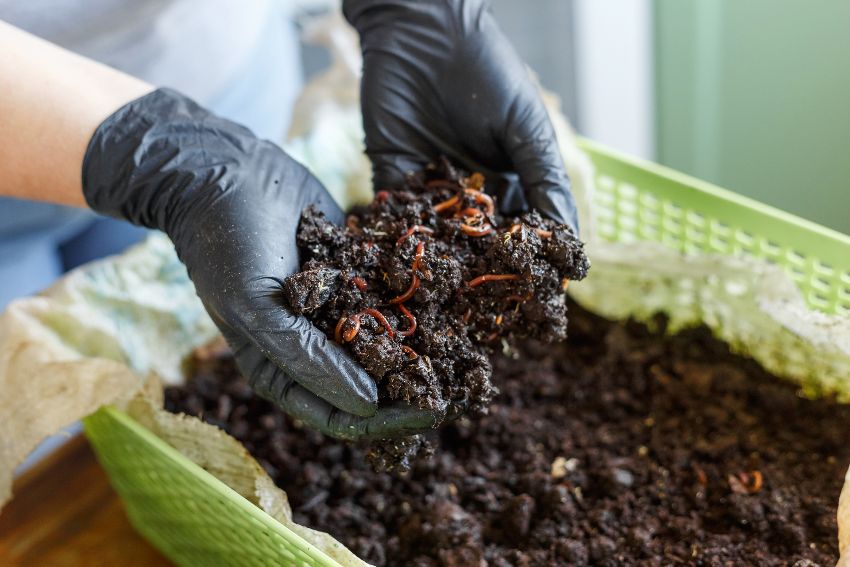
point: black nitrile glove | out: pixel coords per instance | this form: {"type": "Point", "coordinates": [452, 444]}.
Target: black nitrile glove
{"type": "Point", "coordinates": [440, 78]}
{"type": "Point", "coordinates": [231, 204]}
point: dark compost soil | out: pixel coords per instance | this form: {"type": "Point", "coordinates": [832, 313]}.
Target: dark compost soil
{"type": "Point", "coordinates": [421, 285]}
{"type": "Point", "coordinates": [620, 446]}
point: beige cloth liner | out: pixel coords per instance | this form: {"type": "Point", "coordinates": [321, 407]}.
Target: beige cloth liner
{"type": "Point", "coordinates": [112, 331]}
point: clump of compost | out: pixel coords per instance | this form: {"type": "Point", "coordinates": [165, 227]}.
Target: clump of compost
{"type": "Point", "coordinates": [424, 283]}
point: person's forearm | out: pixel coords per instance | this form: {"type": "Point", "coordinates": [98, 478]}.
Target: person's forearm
{"type": "Point", "coordinates": [52, 101]}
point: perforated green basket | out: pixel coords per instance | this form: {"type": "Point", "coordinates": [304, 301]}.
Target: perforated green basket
{"type": "Point", "coordinates": [198, 521]}
{"type": "Point", "coordinates": [638, 200]}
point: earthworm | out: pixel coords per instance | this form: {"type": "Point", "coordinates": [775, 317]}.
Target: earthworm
{"type": "Point", "coordinates": [447, 204]}
{"type": "Point", "coordinates": [414, 229]}
{"type": "Point", "coordinates": [414, 285]}
{"type": "Point", "coordinates": [338, 330]}
{"type": "Point", "coordinates": [752, 481]}
{"type": "Point", "coordinates": [360, 283]}
{"type": "Point", "coordinates": [482, 199]}
{"type": "Point", "coordinates": [349, 334]}
{"type": "Point", "coordinates": [476, 231]}
{"type": "Point", "coordinates": [471, 213]}
{"type": "Point", "coordinates": [475, 282]}
{"type": "Point", "coordinates": [412, 328]}
{"type": "Point", "coordinates": [414, 281]}
{"type": "Point", "coordinates": [411, 354]}
{"type": "Point", "coordinates": [417, 257]}
{"type": "Point", "coordinates": [380, 319]}
{"type": "Point", "coordinates": [540, 232]}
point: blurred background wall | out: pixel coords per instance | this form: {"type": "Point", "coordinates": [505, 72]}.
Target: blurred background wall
{"type": "Point", "coordinates": [753, 95]}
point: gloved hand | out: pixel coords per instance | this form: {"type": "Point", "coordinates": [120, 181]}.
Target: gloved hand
{"type": "Point", "coordinates": [231, 204]}
{"type": "Point", "coordinates": [440, 78]}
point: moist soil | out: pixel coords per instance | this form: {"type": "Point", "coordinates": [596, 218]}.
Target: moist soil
{"type": "Point", "coordinates": [620, 446]}
{"type": "Point", "coordinates": [424, 283]}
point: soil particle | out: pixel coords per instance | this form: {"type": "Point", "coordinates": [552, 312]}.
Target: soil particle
{"type": "Point", "coordinates": [621, 446]}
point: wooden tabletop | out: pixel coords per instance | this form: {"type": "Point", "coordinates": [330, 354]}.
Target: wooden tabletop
{"type": "Point", "coordinates": [65, 514]}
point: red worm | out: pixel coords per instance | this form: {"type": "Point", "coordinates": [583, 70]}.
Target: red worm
{"type": "Point", "coordinates": [491, 278]}
{"type": "Point", "coordinates": [417, 258]}
{"type": "Point", "coordinates": [447, 204]}
{"type": "Point", "coordinates": [360, 283]}
{"type": "Point", "coordinates": [413, 229]}
{"type": "Point", "coordinates": [379, 318]}
{"type": "Point", "coordinates": [414, 285]}
{"type": "Point", "coordinates": [411, 354]}
{"type": "Point", "coordinates": [338, 330]}
{"type": "Point", "coordinates": [414, 281]}
{"type": "Point", "coordinates": [540, 232]}
{"type": "Point", "coordinates": [471, 214]}
{"type": "Point", "coordinates": [349, 334]}
{"type": "Point", "coordinates": [482, 199]}
{"type": "Point", "coordinates": [412, 328]}
{"type": "Point", "coordinates": [476, 231]}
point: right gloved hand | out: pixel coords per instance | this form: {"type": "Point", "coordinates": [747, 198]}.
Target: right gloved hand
{"type": "Point", "coordinates": [441, 78]}
{"type": "Point", "coordinates": [231, 204]}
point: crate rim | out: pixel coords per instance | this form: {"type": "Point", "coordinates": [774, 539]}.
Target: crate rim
{"type": "Point", "coordinates": [713, 190]}
{"type": "Point", "coordinates": [213, 483]}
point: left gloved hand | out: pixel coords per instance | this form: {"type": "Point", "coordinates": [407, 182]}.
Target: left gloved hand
{"type": "Point", "coordinates": [440, 78]}
{"type": "Point", "coordinates": [231, 203]}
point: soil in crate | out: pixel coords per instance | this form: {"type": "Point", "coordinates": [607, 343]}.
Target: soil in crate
{"type": "Point", "coordinates": [620, 445]}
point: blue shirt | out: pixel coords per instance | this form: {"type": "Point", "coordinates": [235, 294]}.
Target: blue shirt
{"type": "Point", "coordinates": [240, 59]}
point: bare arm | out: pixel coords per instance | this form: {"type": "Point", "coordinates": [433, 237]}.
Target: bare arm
{"type": "Point", "coordinates": [51, 102]}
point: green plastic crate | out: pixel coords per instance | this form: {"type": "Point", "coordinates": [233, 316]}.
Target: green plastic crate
{"type": "Point", "coordinates": [638, 200]}
{"type": "Point", "coordinates": [198, 521]}
{"type": "Point", "coordinates": [187, 513]}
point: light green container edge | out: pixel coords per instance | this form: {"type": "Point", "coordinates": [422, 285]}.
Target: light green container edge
{"type": "Point", "coordinates": [109, 426]}
{"type": "Point", "coordinates": [713, 200]}
{"type": "Point", "coordinates": [107, 423]}
{"type": "Point", "coordinates": [818, 245]}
